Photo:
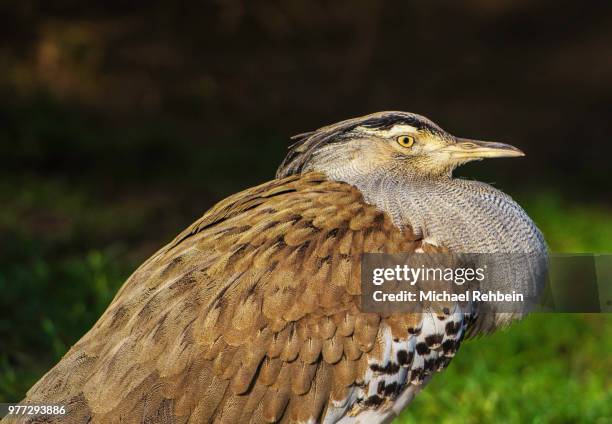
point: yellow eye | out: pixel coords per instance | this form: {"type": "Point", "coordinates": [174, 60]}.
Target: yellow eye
{"type": "Point", "coordinates": [405, 140]}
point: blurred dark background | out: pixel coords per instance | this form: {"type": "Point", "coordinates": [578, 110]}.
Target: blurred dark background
{"type": "Point", "coordinates": [535, 73]}
{"type": "Point", "coordinates": [121, 122]}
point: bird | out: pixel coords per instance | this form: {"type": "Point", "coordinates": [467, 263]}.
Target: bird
{"type": "Point", "coordinates": [252, 313]}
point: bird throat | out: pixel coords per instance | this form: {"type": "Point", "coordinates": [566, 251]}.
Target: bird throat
{"type": "Point", "coordinates": [466, 217]}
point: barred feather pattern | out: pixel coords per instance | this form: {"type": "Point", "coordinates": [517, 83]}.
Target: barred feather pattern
{"type": "Point", "coordinates": [252, 315]}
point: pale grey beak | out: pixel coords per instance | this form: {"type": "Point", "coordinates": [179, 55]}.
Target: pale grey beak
{"type": "Point", "coordinates": [465, 148]}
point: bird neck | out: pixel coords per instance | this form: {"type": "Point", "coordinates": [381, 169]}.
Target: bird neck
{"type": "Point", "coordinates": [467, 217]}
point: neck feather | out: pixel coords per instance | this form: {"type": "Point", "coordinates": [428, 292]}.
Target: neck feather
{"type": "Point", "coordinates": [466, 217]}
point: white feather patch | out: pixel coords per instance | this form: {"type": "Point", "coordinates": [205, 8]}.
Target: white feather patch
{"type": "Point", "coordinates": [394, 131]}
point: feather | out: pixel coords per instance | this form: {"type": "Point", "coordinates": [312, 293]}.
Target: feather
{"type": "Point", "coordinates": [249, 315]}
{"type": "Point", "coordinates": [332, 349]}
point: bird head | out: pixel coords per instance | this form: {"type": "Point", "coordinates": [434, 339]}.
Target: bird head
{"type": "Point", "coordinates": [387, 140]}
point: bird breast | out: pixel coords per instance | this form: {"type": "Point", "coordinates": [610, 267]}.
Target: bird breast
{"type": "Point", "coordinates": [466, 217]}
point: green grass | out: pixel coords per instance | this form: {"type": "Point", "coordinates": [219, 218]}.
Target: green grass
{"type": "Point", "coordinates": [570, 227]}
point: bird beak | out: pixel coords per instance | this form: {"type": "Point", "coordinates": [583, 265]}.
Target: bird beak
{"type": "Point", "coordinates": [475, 149]}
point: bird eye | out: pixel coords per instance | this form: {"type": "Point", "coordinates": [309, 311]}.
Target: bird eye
{"type": "Point", "coordinates": [405, 140]}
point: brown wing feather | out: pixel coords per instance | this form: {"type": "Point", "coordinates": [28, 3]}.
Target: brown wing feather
{"type": "Point", "coordinates": [248, 315]}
